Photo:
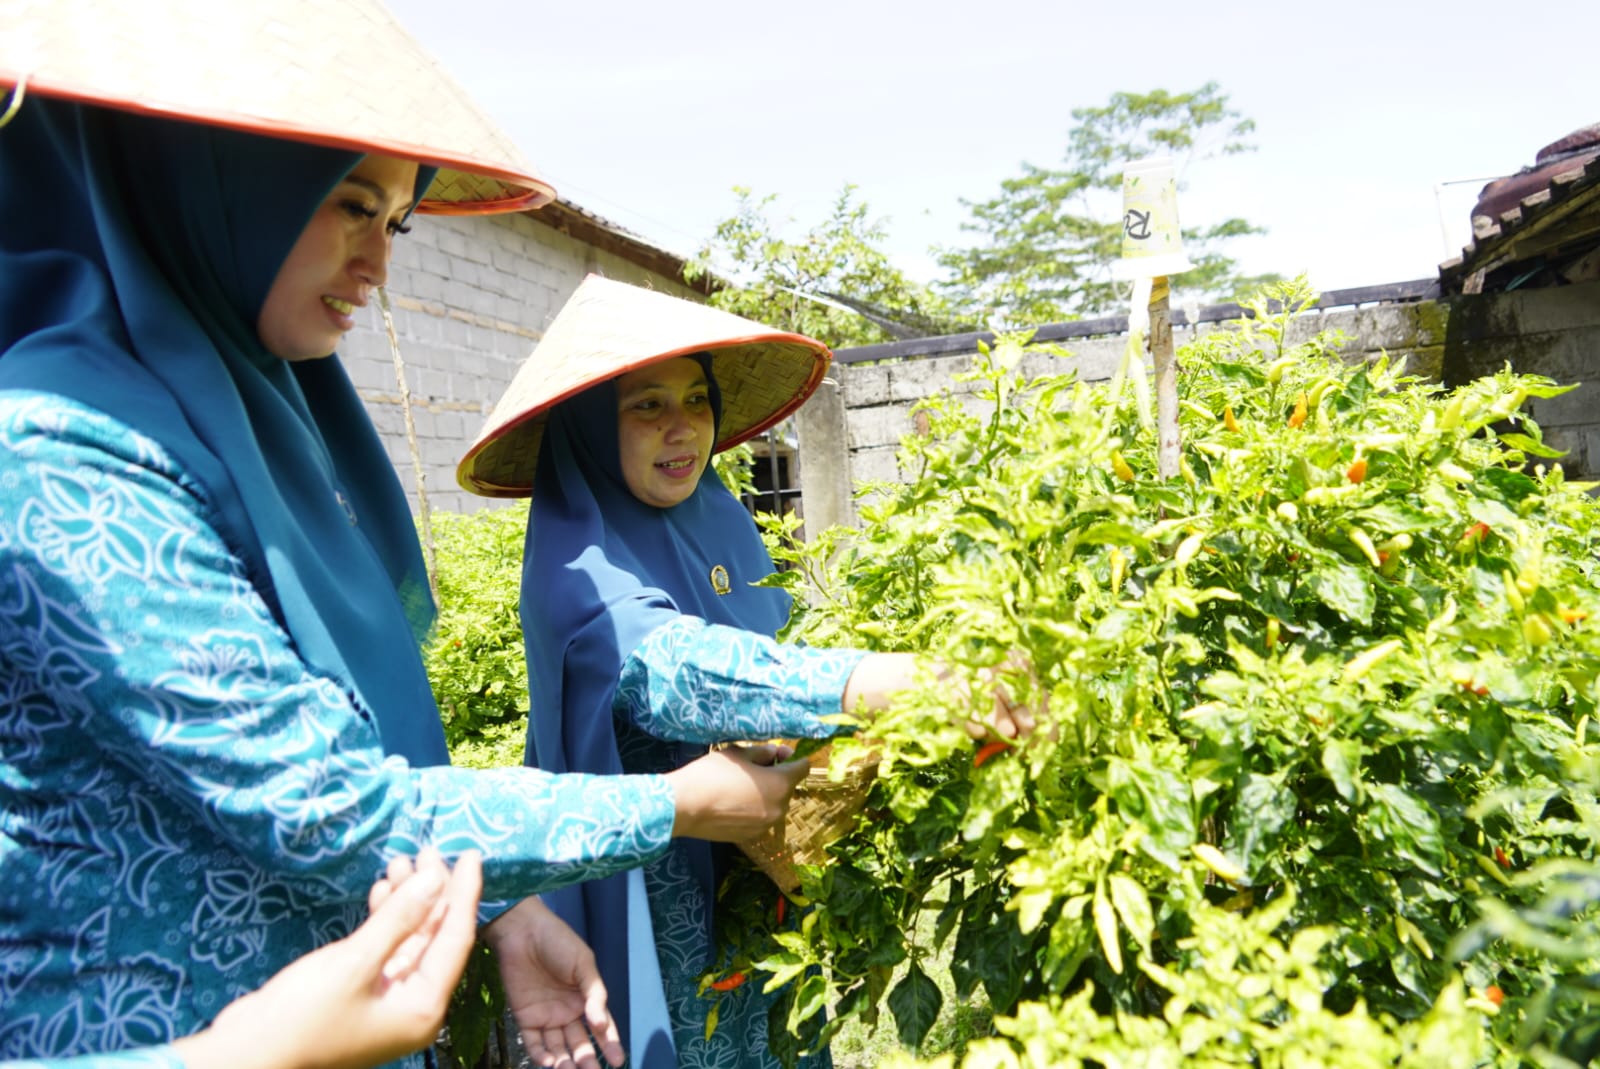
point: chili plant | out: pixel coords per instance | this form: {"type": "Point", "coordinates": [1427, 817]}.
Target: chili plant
{"type": "Point", "coordinates": [1314, 742]}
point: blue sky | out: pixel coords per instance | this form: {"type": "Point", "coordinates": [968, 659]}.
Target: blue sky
{"type": "Point", "coordinates": [649, 113]}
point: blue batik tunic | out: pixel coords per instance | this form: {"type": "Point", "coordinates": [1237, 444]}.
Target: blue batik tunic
{"type": "Point", "coordinates": [185, 807]}
{"type": "Point", "coordinates": [696, 682]}
{"type": "Point", "coordinates": [150, 1058]}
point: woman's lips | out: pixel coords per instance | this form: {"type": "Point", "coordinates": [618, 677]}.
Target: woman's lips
{"type": "Point", "coordinates": [677, 467]}
{"type": "Point", "coordinates": [343, 311]}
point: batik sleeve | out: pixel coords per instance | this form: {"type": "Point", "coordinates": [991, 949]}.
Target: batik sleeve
{"type": "Point", "coordinates": [129, 626]}
{"type": "Point", "coordinates": [692, 681]}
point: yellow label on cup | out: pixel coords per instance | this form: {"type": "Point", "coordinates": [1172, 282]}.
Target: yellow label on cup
{"type": "Point", "coordinates": [1152, 243]}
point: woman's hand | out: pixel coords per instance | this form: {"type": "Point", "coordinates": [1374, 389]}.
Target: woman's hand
{"type": "Point", "coordinates": [367, 999]}
{"type": "Point", "coordinates": [880, 675]}
{"type": "Point", "coordinates": [734, 794]}
{"type": "Point", "coordinates": [1008, 718]}
{"type": "Point", "coordinates": [553, 988]}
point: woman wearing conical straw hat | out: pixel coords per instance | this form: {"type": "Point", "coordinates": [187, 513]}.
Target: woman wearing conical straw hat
{"type": "Point", "coordinates": [646, 639]}
{"type": "Point", "coordinates": [216, 725]}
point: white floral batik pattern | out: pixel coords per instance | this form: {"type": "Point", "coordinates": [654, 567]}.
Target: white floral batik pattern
{"type": "Point", "coordinates": [699, 683]}
{"type": "Point", "coordinates": [185, 806]}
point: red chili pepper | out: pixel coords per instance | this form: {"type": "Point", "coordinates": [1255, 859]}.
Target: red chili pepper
{"type": "Point", "coordinates": [988, 750]}
{"type": "Point", "coordinates": [1501, 859]}
{"type": "Point", "coordinates": [783, 907]}
{"type": "Point", "coordinates": [728, 983]}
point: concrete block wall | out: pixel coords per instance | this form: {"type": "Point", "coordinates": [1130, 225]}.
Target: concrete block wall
{"type": "Point", "coordinates": [1551, 332]}
{"type": "Point", "coordinates": [470, 297]}
{"type": "Point", "coordinates": [850, 432]}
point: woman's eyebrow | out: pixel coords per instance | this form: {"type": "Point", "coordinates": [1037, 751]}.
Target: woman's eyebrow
{"type": "Point", "coordinates": [374, 188]}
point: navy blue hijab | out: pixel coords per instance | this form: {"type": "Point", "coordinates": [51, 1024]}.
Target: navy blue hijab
{"type": "Point", "coordinates": [601, 570]}
{"type": "Point", "coordinates": [135, 254]}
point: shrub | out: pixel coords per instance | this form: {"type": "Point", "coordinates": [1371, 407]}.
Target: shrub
{"type": "Point", "coordinates": [1316, 787]}
{"type": "Point", "coordinates": [475, 658]}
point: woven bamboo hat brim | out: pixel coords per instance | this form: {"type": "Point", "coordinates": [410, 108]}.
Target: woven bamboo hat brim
{"type": "Point", "coordinates": [340, 73]}
{"type": "Point", "coordinates": [607, 328]}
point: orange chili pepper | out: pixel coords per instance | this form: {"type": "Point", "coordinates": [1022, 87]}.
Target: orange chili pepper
{"type": "Point", "coordinates": [988, 750]}
{"type": "Point", "coordinates": [728, 983]}
{"type": "Point", "coordinates": [1357, 471]}
{"type": "Point", "coordinates": [1501, 859]}
{"type": "Point", "coordinates": [1298, 416]}
{"type": "Point", "coordinates": [1494, 994]}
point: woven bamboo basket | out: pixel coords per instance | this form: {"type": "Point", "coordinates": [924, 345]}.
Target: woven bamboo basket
{"type": "Point", "coordinates": [820, 811]}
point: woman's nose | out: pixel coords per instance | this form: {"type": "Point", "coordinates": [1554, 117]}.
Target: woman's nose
{"type": "Point", "coordinates": [371, 260]}
{"type": "Point", "coordinates": [680, 427]}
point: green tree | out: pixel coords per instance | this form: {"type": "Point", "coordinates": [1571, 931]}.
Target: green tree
{"type": "Point", "coordinates": [1048, 239]}
{"type": "Point", "coordinates": [835, 283]}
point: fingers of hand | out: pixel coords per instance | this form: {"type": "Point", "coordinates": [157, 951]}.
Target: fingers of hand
{"type": "Point", "coordinates": [560, 1047]}
{"type": "Point", "coordinates": [604, 1028]}
{"type": "Point", "coordinates": [399, 870]}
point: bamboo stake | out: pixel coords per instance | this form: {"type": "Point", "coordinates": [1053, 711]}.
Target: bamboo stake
{"type": "Point", "coordinates": [424, 514]}
{"type": "Point", "coordinates": [1168, 441]}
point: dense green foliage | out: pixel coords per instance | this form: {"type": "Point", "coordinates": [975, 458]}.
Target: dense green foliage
{"type": "Point", "coordinates": [1047, 240]}
{"type": "Point", "coordinates": [1318, 788]}
{"type": "Point", "coordinates": [475, 659]}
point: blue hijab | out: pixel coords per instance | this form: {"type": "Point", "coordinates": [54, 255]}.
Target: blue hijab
{"type": "Point", "coordinates": [601, 570]}
{"type": "Point", "coordinates": [135, 254]}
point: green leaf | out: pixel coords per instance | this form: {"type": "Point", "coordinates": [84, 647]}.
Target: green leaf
{"type": "Point", "coordinates": [915, 1003]}
{"type": "Point", "coordinates": [811, 997]}
{"type": "Point", "coordinates": [1509, 486]}
{"type": "Point", "coordinates": [1395, 517]}
{"type": "Point", "coordinates": [1344, 588]}
{"type": "Point", "coordinates": [1158, 798]}
{"type": "Point", "coordinates": [1532, 446]}
{"type": "Point", "coordinates": [1105, 926]}
{"type": "Point", "coordinates": [1133, 906]}
{"type": "Point", "coordinates": [1341, 760]}
{"type": "Point", "coordinates": [1260, 812]}
{"type": "Point", "coordinates": [1399, 821]}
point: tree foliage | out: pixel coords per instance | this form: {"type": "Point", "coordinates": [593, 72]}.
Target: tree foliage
{"type": "Point", "coordinates": [834, 283]}
{"type": "Point", "coordinates": [1047, 240]}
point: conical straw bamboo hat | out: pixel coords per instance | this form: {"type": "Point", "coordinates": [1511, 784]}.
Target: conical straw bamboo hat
{"type": "Point", "coordinates": [607, 328]}
{"type": "Point", "coordinates": [340, 73]}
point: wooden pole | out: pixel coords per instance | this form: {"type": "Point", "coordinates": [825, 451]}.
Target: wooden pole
{"type": "Point", "coordinates": [1166, 368]}
{"type": "Point", "coordinates": [424, 514]}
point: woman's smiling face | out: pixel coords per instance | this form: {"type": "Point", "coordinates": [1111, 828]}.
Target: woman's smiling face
{"type": "Point", "coordinates": [665, 428]}
{"type": "Point", "coordinates": [339, 257]}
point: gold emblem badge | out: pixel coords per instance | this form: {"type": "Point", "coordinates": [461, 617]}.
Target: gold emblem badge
{"type": "Point", "coordinates": [719, 579]}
